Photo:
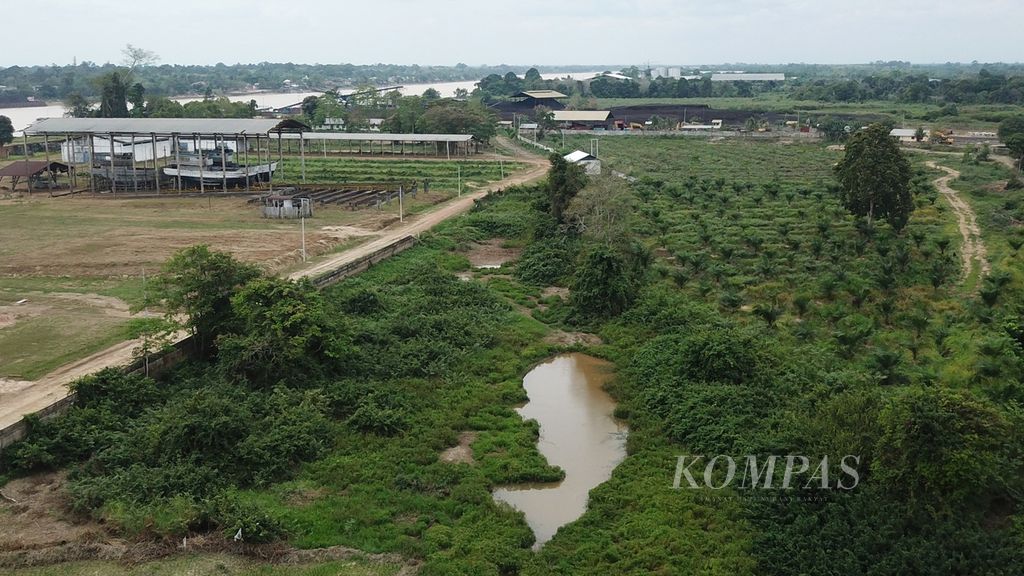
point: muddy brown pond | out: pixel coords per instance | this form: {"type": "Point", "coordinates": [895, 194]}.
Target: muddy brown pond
{"type": "Point", "coordinates": [577, 433]}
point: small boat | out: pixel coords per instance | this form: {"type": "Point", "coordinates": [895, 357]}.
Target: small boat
{"type": "Point", "coordinates": [216, 168]}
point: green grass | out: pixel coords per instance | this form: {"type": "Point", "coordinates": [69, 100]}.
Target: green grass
{"type": "Point", "coordinates": [443, 175]}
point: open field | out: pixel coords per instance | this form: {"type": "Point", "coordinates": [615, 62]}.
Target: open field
{"type": "Point", "coordinates": [80, 261]}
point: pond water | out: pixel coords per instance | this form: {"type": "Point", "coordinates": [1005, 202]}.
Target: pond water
{"type": "Point", "coordinates": [577, 433]}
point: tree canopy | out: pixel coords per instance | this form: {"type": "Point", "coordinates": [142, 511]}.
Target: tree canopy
{"type": "Point", "coordinates": [6, 131]}
{"type": "Point", "coordinates": [874, 177]}
{"type": "Point", "coordinates": [565, 180]}
{"type": "Point", "coordinates": [199, 283]}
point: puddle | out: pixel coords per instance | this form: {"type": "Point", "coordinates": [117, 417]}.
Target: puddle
{"type": "Point", "coordinates": [577, 433]}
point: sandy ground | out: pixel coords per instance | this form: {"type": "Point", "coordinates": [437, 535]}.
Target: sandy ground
{"type": "Point", "coordinates": [52, 387]}
{"type": "Point", "coordinates": [972, 249]}
{"type": "Point", "coordinates": [463, 451]}
{"type": "Point", "coordinates": [491, 254]}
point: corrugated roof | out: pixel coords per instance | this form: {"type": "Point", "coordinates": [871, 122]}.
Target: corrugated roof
{"type": "Point", "coordinates": [578, 156]}
{"type": "Point", "coordinates": [161, 126]}
{"type": "Point", "coordinates": [377, 137]}
{"type": "Point", "coordinates": [541, 94]}
{"type": "Point", "coordinates": [903, 132]}
{"type": "Point", "coordinates": [21, 168]}
{"type": "Point", "coordinates": [581, 115]}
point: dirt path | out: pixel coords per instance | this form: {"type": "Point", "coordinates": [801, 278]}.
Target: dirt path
{"type": "Point", "coordinates": [53, 387]}
{"type": "Point", "coordinates": [973, 247]}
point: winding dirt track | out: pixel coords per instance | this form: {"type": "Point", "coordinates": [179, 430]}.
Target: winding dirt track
{"type": "Point", "coordinates": [972, 249]}
{"type": "Point", "coordinates": [53, 386]}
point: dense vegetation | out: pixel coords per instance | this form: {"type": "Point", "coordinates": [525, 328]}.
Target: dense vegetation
{"type": "Point", "coordinates": [58, 82]}
{"type": "Point", "coordinates": [912, 84]}
{"type": "Point", "coordinates": [747, 310]}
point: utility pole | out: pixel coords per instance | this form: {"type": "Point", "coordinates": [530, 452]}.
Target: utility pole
{"type": "Point", "coordinates": [302, 219]}
{"type": "Point", "coordinates": [401, 207]}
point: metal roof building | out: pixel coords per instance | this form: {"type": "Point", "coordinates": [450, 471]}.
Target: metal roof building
{"type": "Point", "coordinates": [581, 115]}
{"type": "Point", "coordinates": [387, 142]}
{"type": "Point", "coordinates": [240, 131]}
{"type": "Point", "coordinates": [540, 94]}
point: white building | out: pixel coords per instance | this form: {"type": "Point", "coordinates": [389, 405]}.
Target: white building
{"type": "Point", "coordinates": [905, 134]}
{"type": "Point", "coordinates": [590, 164]}
{"type": "Point", "coordinates": [77, 151]}
{"type": "Point", "coordinates": [744, 77]}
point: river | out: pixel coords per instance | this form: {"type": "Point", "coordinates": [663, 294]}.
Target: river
{"type": "Point", "coordinates": [577, 433]}
{"type": "Point", "coordinates": [22, 117]}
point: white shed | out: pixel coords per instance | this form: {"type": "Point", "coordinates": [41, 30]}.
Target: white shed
{"type": "Point", "coordinates": [591, 165]}
{"type": "Point", "coordinates": [905, 134]}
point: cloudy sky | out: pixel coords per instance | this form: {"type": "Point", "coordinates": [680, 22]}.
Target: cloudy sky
{"type": "Point", "coordinates": [516, 32]}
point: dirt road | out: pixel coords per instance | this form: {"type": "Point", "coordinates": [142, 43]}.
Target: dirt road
{"type": "Point", "coordinates": [972, 249]}
{"type": "Point", "coordinates": [52, 387]}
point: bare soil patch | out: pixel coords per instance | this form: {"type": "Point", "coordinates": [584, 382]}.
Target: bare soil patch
{"type": "Point", "coordinates": [563, 338]}
{"type": "Point", "coordinates": [463, 452]}
{"type": "Point", "coordinates": [492, 254]}
{"type": "Point", "coordinates": [559, 291]}
{"type": "Point", "coordinates": [34, 515]}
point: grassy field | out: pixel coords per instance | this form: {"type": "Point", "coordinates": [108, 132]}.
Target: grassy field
{"type": "Point", "coordinates": [53, 247]}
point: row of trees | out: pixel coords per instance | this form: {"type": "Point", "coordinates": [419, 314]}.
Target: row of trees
{"type": "Point", "coordinates": [984, 87]}
{"type": "Point", "coordinates": [59, 82]}
{"type": "Point", "coordinates": [428, 113]}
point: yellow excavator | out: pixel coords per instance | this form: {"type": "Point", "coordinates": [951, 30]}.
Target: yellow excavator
{"type": "Point", "coordinates": [941, 137]}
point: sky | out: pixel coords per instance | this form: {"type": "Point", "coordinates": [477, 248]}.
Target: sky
{"type": "Point", "coordinates": [515, 32]}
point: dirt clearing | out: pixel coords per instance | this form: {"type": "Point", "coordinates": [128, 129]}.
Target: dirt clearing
{"type": "Point", "coordinates": [463, 451]}
{"type": "Point", "coordinates": [492, 254]}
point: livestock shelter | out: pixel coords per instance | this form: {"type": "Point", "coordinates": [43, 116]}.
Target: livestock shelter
{"type": "Point", "coordinates": [583, 119]}
{"type": "Point", "coordinates": [384, 143]}
{"type": "Point", "coordinates": [123, 171]}
{"type": "Point", "coordinates": [37, 173]}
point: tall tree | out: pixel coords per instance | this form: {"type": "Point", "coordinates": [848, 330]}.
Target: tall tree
{"type": "Point", "coordinates": [113, 95]}
{"type": "Point", "coordinates": [874, 177]}
{"type": "Point", "coordinates": [6, 131]}
{"type": "Point", "coordinates": [565, 180]}
{"type": "Point", "coordinates": [199, 283]}
{"type": "Point", "coordinates": [1010, 127]}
